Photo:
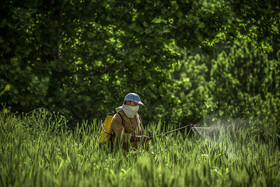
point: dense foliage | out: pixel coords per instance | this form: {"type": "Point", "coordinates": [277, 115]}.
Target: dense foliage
{"type": "Point", "coordinates": [186, 59]}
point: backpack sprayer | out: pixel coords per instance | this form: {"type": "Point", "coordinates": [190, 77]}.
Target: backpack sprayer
{"type": "Point", "coordinates": [106, 132]}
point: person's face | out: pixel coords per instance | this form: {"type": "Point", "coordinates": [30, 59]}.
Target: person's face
{"type": "Point", "coordinates": [131, 103]}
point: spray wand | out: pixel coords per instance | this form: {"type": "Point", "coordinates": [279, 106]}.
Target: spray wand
{"type": "Point", "coordinates": [190, 125]}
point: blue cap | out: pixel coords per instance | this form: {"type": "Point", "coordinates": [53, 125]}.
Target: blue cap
{"type": "Point", "coordinates": [133, 97]}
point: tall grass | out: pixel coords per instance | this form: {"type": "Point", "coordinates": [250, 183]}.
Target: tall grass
{"type": "Point", "coordinates": [36, 150]}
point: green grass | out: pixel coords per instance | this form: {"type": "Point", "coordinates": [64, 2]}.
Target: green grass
{"type": "Point", "coordinates": [36, 152]}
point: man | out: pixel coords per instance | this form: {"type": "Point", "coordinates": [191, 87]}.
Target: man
{"type": "Point", "coordinates": [127, 124]}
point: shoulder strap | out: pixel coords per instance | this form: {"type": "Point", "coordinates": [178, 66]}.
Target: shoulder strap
{"type": "Point", "coordinates": [137, 118]}
{"type": "Point", "coordinates": [121, 117]}
{"type": "Point", "coordinates": [112, 131]}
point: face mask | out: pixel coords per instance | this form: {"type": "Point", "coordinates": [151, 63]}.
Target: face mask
{"type": "Point", "coordinates": [130, 111]}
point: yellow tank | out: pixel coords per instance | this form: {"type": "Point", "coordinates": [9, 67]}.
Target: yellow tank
{"type": "Point", "coordinates": [106, 131]}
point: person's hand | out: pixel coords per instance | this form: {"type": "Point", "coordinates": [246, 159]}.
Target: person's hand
{"type": "Point", "coordinates": [141, 137]}
{"type": "Point", "coordinates": [147, 138]}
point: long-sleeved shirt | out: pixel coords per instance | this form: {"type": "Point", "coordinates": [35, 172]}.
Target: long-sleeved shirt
{"type": "Point", "coordinates": [125, 130]}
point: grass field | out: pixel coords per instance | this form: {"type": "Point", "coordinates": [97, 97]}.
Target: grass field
{"type": "Point", "coordinates": [35, 151]}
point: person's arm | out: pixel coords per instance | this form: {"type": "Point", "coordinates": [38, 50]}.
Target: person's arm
{"type": "Point", "coordinates": [142, 128]}
{"type": "Point", "coordinates": [147, 142]}
{"type": "Point", "coordinates": [142, 135]}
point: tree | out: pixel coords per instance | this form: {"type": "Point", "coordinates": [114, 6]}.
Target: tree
{"type": "Point", "coordinates": [80, 58]}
